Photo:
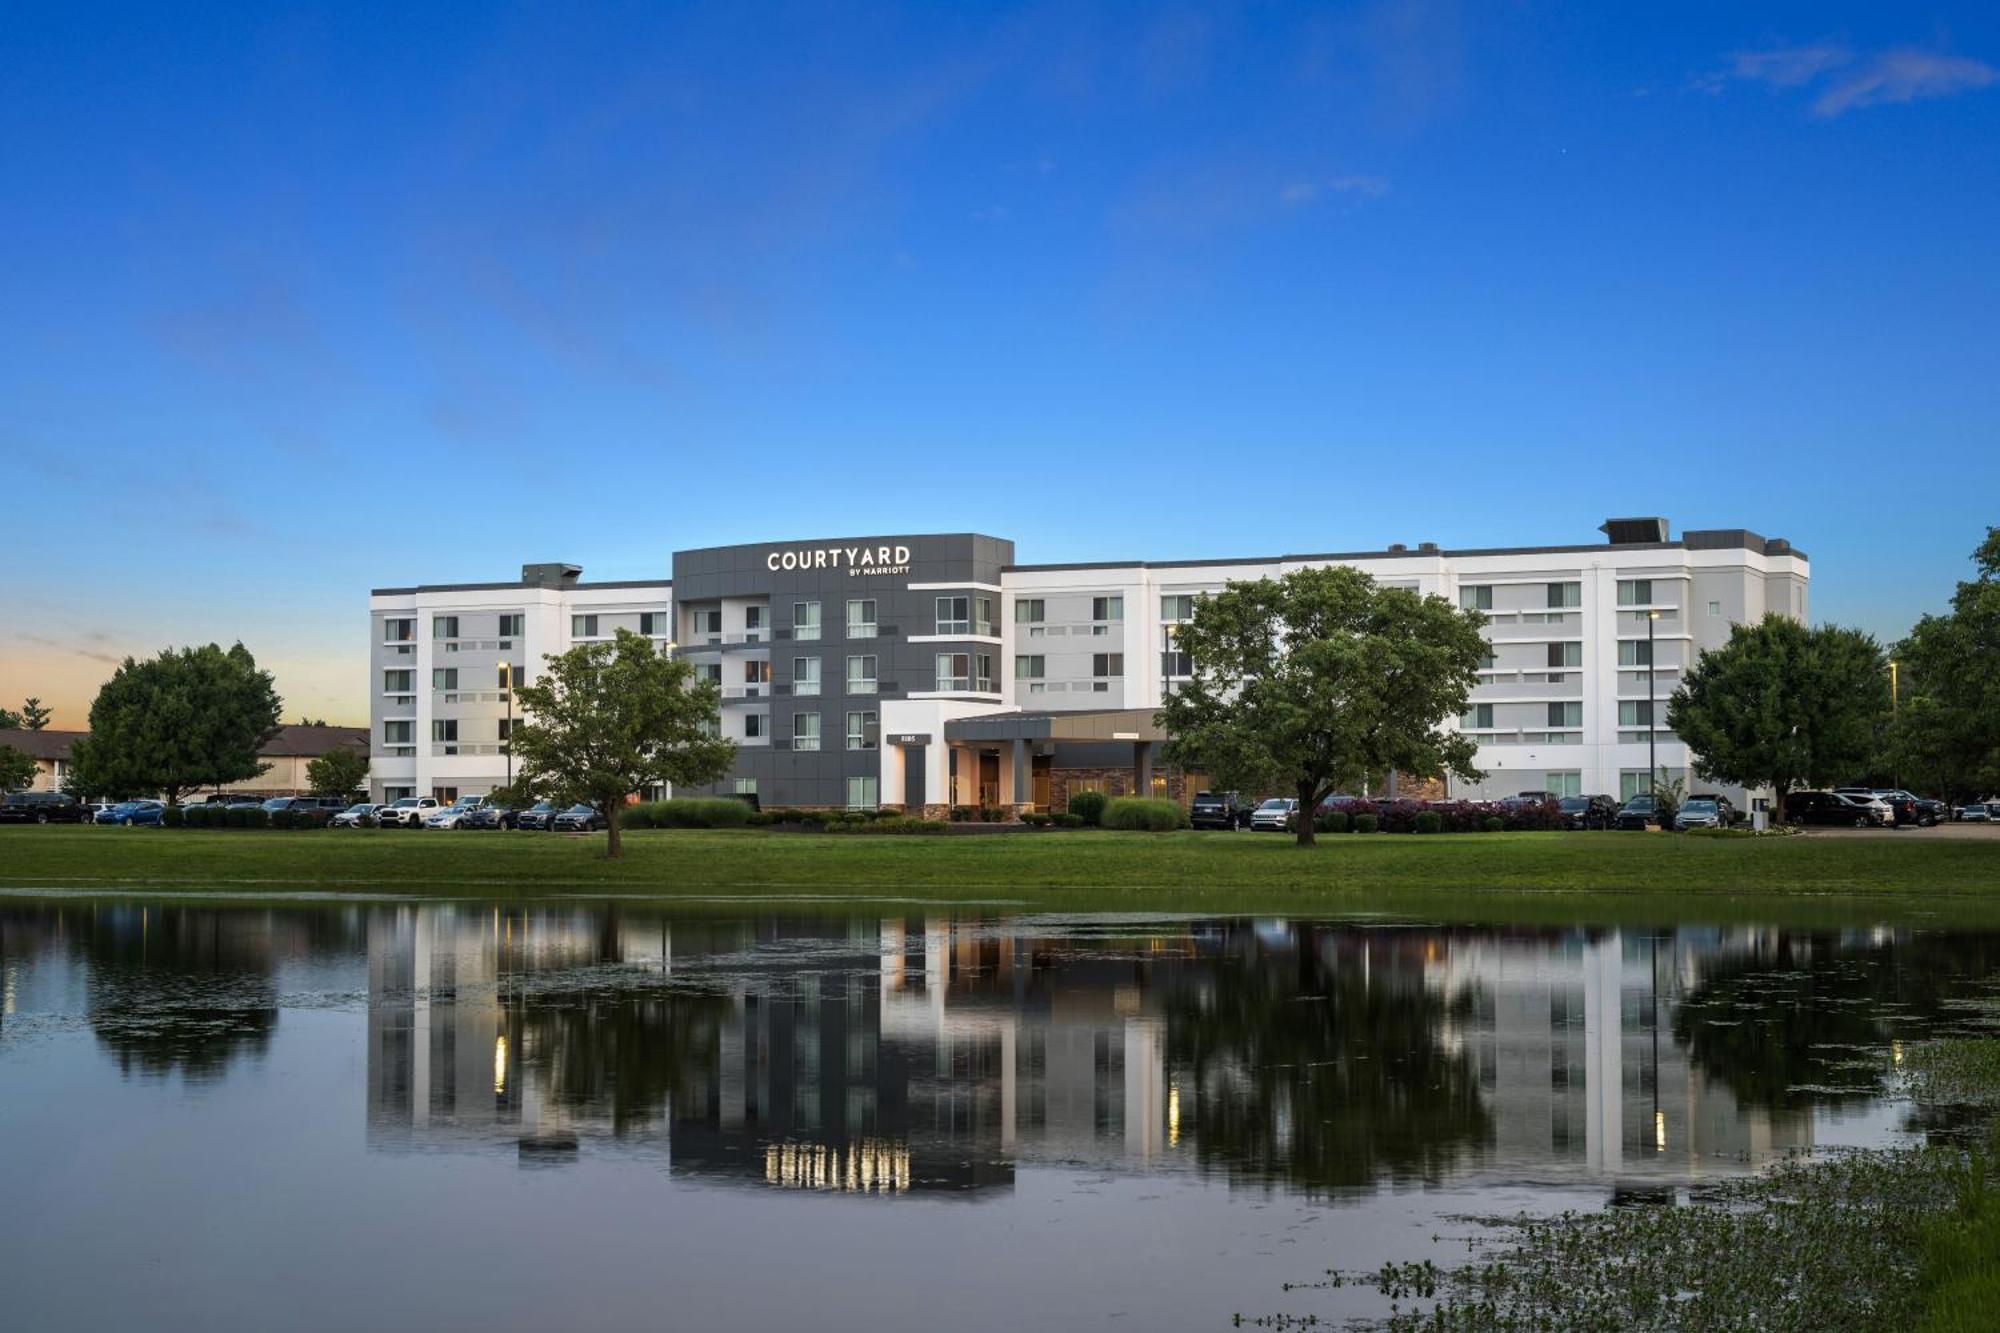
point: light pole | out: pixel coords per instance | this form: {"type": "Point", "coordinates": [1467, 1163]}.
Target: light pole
{"type": "Point", "coordinates": [1894, 776]}
{"type": "Point", "coordinates": [507, 693]}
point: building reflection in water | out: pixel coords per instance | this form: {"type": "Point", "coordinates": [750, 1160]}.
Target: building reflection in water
{"type": "Point", "coordinates": [941, 1055]}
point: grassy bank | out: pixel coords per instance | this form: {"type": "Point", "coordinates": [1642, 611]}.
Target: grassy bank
{"type": "Point", "coordinates": [1172, 871]}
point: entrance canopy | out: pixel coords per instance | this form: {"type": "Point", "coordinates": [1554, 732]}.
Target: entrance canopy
{"type": "Point", "coordinates": [998, 756]}
{"type": "Point", "coordinates": [1132, 725]}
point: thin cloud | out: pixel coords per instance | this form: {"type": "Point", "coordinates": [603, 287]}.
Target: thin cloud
{"type": "Point", "coordinates": [1360, 187]}
{"type": "Point", "coordinates": [1848, 82]}
{"type": "Point", "coordinates": [1907, 75]}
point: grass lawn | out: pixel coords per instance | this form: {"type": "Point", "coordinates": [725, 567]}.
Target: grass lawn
{"type": "Point", "coordinates": [1642, 874]}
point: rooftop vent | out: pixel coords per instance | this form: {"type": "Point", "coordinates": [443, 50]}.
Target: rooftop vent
{"type": "Point", "coordinates": [1398, 546]}
{"type": "Point", "coordinates": [1427, 546]}
{"type": "Point", "coordinates": [555, 575]}
{"type": "Point", "coordinates": [1633, 531]}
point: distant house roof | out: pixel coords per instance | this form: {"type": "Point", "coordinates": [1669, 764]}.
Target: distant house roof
{"type": "Point", "coordinates": [47, 745]}
{"type": "Point", "coordinates": [300, 742]}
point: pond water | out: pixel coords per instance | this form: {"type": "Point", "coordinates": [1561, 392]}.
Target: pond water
{"type": "Point", "coordinates": [459, 1115]}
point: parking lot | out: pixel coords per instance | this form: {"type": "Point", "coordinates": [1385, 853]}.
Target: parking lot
{"type": "Point", "coordinates": [1981, 832]}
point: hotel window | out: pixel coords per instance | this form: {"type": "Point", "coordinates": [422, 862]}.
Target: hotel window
{"type": "Point", "coordinates": [805, 620]}
{"type": "Point", "coordinates": [954, 615]}
{"type": "Point", "coordinates": [399, 682]}
{"type": "Point", "coordinates": [982, 672]}
{"type": "Point", "coordinates": [1476, 597]}
{"type": "Point", "coordinates": [503, 676]}
{"type": "Point", "coordinates": [444, 795]}
{"type": "Point", "coordinates": [805, 675]}
{"type": "Point", "coordinates": [583, 627]}
{"type": "Point", "coordinates": [861, 618]}
{"type": "Point", "coordinates": [1030, 666]}
{"type": "Point", "coordinates": [954, 671]}
{"type": "Point", "coordinates": [1489, 661]}
{"type": "Point", "coordinates": [861, 793]}
{"type": "Point", "coordinates": [1029, 611]}
{"type": "Point", "coordinates": [444, 627]}
{"type": "Point", "coordinates": [753, 623]}
{"type": "Point", "coordinates": [708, 671]}
{"type": "Point", "coordinates": [1566, 784]}
{"type": "Point", "coordinates": [1565, 717]}
{"type": "Point", "coordinates": [756, 671]}
{"type": "Point", "coordinates": [444, 735]}
{"type": "Point", "coordinates": [1177, 606]}
{"type": "Point", "coordinates": [513, 625]}
{"type": "Point", "coordinates": [398, 733]}
{"type": "Point", "coordinates": [1635, 653]}
{"type": "Point", "coordinates": [1562, 596]}
{"type": "Point", "coordinates": [862, 731]}
{"type": "Point", "coordinates": [982, 616]}
{"type": "Point", "coordinates": [805, 731]}
{"type": "Point", "coordinates": [756, 725]}
{"type": "Point", "coordinates": [708, 623]}
{"type": "Point", "coordinates": [1635, 592]}
{"type": "Point", "coordinates": [653, 624]}
{"type": "Point", "coordinates": [1715, 608]}
{"type": "Point", "coordinates": [1635, 712]}
{"type": "Point", "coordinates": [1174, 663]}
{"type": "Point", "coordinates": [506, 730]}
{"type": "Point", "coordinates": [746, 786]}
{"type": "Point", "coordinates": [1107, 608]}
{"type": "Point", "coordinates": [444, 678]}
{"type": "Point", "coordinates": [398, 631]}
{"type": "Point", "coordinates": [710, 726]}
{"type": "Point", "coordinates": [1479, 717]}
{"type": "Point", "coordinates": [861, 674]}
{"type": "Point", "coordinates": [1563, 659]}
{"type": "Point", "coordinates": [1105, 668]}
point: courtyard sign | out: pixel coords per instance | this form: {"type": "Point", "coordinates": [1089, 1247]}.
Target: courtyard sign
{"type": "Point", "coordinates": [856, 560]}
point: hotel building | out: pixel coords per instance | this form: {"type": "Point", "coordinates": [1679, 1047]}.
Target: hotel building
{"type": "Point", "coordinates": [935, 670]}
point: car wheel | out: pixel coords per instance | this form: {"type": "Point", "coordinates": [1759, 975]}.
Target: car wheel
{"type": "Point", "coordinates": [41, 816]}
{"type": "Point", "coordinates": [1797, 821]}
{"type": "Point", "coordinates": [1861, 821]}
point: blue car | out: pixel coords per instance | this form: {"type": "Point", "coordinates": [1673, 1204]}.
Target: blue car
{"type": "Point", "coordinates": [131, 813]}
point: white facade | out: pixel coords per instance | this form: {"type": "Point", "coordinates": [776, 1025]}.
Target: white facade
{"type": "Point", "coordinates": [1562, 704]}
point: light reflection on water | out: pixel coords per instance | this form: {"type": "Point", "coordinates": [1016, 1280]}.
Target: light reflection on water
{"type": "Point", "coordinates": [1163, 1119]}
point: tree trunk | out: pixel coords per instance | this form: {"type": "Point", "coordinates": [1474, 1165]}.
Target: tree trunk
{"type": "Point", "coordinates": [1777, 804]}
{"type": "Point", "coordinates": [611, 829]}
{"type": "Point", "coordinates": [1305, 833]}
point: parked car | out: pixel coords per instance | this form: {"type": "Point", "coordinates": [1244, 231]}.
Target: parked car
{"type": "Point", "coordinates": [1836, 809]}
{"type": "Point", "coordinates": [132, 813]}
{"type": "Point", "coordinates": [1902, 806]}
{"type": "Point", "coordinates": [1979, 813]}
{"type": "Point", "coordinates": [580, 819]}
{"type": "Point", "coordinates": [96, 808]}
{"type": "Point", "coordinates": [1641, 812]}
{"type": "Point", "coordinates": [1280, 814]}
{"type": "Point", "coordinates": [1705, 812]}
{"type": "Point", "coordinates": [359, 815]}
{"type": "Point", "coordinates": [541, 816]}
{"type": "Point", "coordinates": [452, 815]}
{"type": "Point", "coordinates": [1588, 812]}
{"type": "Point", "coordinates": [1218, 809]}
{"type": "Point", "coordinates": [1911, 808]}
{"type": "Point", "coordinates": [1532, 798]}
{"type": "Point", "coordinates": [314, 808]}
{"type": "Point", "coordinates": [41, 807]}
{"type": "Point", "coordinates": [490, 816]}
{"type": "Point", "coordinates": [409, 812]}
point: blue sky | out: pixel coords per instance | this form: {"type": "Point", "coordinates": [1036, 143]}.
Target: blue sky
{"type": "Point", "coordinates": [301, 301]}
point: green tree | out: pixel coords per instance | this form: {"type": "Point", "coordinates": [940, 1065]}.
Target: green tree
{"type": "Point", "coordinates": [1314, 681]}
{"type": "Point", "coordinates": [608, 720]}
{"type": "Point", "coordinates": [17, 770]}
{"type": "Point", "coordinates": [9, 720]}
{"type": "Point", "coordinates": [1783, 706]}
{"type": "Point", "coordinates": [34, 717]}
{"type": "Point", "coordinates": [1946, 732]}
{"type": "Point", "coordinates": [338, 772]}
{"type": "Point", "coordinates": [189, 718]}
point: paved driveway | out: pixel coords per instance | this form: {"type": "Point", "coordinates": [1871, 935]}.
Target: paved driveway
{"type": "Point", "coordinates": [1970, 832]}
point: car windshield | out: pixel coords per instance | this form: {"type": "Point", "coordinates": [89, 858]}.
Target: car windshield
{"type": "Point", "coordinates": [407, 803]}
{"type": "Point", "coordinates": [1575, 802]}
{"type": "Point", "coordinates": [1639, 803]}
{"type": "Point", "coordinates": [360, 809]}
{"type": "Point", "coordinates": [1275, 803]}
{"type": "Point", "coordinates": [578, 810]}
{"type": "Point", "coordinates": [1699, 807]}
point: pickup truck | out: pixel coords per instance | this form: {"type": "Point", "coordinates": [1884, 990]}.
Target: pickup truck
{"type": "Point", "coordinates": [407, 813]}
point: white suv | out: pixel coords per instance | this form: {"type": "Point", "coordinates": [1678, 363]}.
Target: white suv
{"type": "Point", "coordinates": [1280, 814]}
{"type": "Point", "coordinates": [406, 813]}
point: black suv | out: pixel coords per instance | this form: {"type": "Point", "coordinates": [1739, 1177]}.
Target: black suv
{"type": "Point", "coordinates": [1588, 812]}
{"type": "Point", "coordinates": [42, 807]}
{"type": "Point", "coordinates": [1832, 807]}
{"type": "Point", "coordinates": [1218, 809]}
{"type": "Point", "coordinates": [541, 815]}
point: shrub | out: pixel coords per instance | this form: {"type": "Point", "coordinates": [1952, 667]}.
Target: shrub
{"type": "Point", "coordinates": [1069, 819]}
{"type": "Point", "coordinates": [201, 818]}
{"type": "Point", "coordinates": [689, 812]}
{"type": "Point", "coordinates": [173, 817]}
{"type": "Point", "coordinates": [1493, 824]}
{"type": "Point", "coordinates": [1427, 821]}
{"type": "Point", "coordinates": [1366, 823]}
{"type": "Point", "coordinates": [961, 814]}
{"type": "Point", "coordinates": [1035, 819]}
{"type": "Point", "coordinates": [1331, 821]}
{"type": "Point", "coordinates": [1141, 814]}
{"type": "Point", "coordinates": [1089, 806]}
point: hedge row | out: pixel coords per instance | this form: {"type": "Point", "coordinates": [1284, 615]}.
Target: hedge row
{"type": "Point", "coordinates": [1438, 817]}
{"type": "Point", "coordinates": [687, 812]}
{"type": "Point", "coordinates": [1142, 814]}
